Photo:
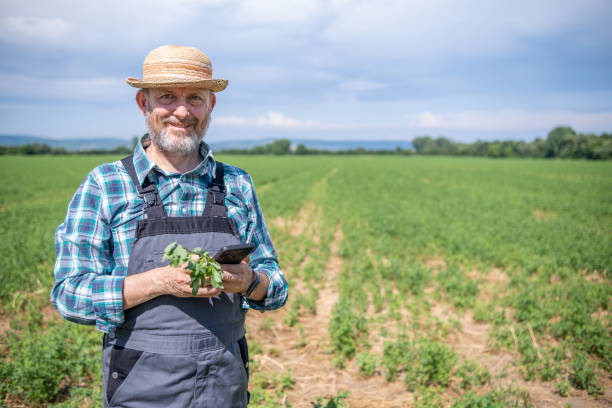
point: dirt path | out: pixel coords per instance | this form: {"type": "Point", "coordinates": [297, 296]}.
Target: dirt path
{"type": "Point", "coordinates": [311, 366]}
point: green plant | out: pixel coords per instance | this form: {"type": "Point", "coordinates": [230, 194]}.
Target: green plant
{"type": "Point", "coordinates": [39, 366]}
{"type": "Point", "coordinates": [331, 402]}
{"type": "Point", "coordinates": [428, 397]}
{"type": "Point", "coordinates": [367, 364]}
{"type": "Point", "coordinates": [287, 382]}
{"type": "Point", "coordinates": [583, 375]}
{"type": "Point", "coordinates": [204, 267]}
{"type": "Point", "coordinates": [562, 388]}
{"type": "Point", "coordinates": [432, 363]}
{"type": "Point", "coordinates": [394, 354]}
{"type": "Point", "coordinates": [471, 374]}
{"type": "Point", "coordinates": [346, 328]}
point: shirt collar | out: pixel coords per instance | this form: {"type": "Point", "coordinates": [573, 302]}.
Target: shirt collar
{"type": "Point", "coordinates": [144, 165]}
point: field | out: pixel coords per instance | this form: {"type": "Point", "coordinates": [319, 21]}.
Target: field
{"type": "Point", "coordinates": [415, 282]}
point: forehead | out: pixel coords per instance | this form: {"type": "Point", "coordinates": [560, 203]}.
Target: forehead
{"type": "Point", "coordinates": [180, 91]}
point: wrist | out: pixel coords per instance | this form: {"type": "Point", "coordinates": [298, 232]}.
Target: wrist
{"type": "Point", "coordinates": [254, 281]}
{"type": "Point", "coordinates": [158, 279]}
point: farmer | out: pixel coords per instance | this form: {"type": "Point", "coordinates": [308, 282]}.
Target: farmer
{"type": "Point", "coordinates": [162, 346]}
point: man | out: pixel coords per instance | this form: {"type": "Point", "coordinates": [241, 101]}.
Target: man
{"type": "Point", "coordinates": [164, 347]}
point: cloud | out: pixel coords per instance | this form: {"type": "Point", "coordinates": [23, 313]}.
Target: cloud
{"type": "Point", "coordinates": [272, 119]}
{"type": "Point", "coordinates": [84, 89]}
{"type": "Point", "coordinates": [316, 29]}
{"type": "Point", "coordinates": [504, 120]}
{"type": "Point", "coordinates": [413, 30]}
{"type": "Point", "coordinates": [33, 28]}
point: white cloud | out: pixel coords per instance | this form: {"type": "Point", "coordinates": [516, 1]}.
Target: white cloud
{"type": "Point", "coordinates": [417, 29]}
{"type": "Point", "coordinates": [505, 120]}
{"type": "Point", "coordinates": [320, 32]}
{"type": "Point", "coordinates": [85, 89]}
{"type": "Point", "coordinates": [33, 28]}
{"type": "Point", "coordinates": [272, 119]}
{"type": "Point", "coordinates": [495, 121]}
{"type": "Point", "coordinates": [112, 24]}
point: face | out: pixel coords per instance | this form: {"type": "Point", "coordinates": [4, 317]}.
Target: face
{"type": "Point", "coordinates": [177, 118]}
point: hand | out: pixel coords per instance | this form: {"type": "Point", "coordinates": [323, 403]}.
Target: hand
{"type": "Point", "coordinates": [175, 281]}
{"type": "Point", "coordinates": [237, 277]}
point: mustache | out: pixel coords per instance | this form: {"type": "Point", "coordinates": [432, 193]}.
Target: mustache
{"type": "Point", "coordinates": [183, 123]}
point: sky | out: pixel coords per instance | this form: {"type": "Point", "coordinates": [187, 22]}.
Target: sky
{"type": "Point", "coordinates": [309, 69]}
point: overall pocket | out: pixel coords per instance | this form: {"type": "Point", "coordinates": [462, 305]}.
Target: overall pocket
{"type": "Point", "coordinates": [122, 360]}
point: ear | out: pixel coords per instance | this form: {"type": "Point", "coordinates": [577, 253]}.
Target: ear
{"type": "Point", "coordinates": [213, 100]}
{"type": "Point", "coordinates": [141, 101]}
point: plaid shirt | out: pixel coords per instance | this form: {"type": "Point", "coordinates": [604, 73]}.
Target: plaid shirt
{"type": "Point", "coordinates": [93, 243]}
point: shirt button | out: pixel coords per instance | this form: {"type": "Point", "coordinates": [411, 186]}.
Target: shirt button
{"type": "Point", "coordinates": [115, 375]}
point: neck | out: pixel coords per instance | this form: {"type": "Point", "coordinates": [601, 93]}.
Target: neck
{"type": "Point", "coordinates": [173, 162]}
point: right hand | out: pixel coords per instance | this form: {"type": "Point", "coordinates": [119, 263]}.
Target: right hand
{"type": "Point", "coordinates": [175, 281]}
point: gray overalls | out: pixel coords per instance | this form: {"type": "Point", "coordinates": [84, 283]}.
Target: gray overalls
{"type": "Point", "coordinates": [178, 352]}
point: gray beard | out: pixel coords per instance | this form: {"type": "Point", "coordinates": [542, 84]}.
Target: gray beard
{"type": "Point", "coordinates": [183, 146]}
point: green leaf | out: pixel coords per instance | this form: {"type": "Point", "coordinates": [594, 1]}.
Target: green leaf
{"type": "Point", "coordinates": [169, 249]}
{"type": "Point", "coordinates": [195, 286]}
{"type": "Point", "coordinates": [180, 251]}
{"type": "Point", "coordinates": [217, 280]}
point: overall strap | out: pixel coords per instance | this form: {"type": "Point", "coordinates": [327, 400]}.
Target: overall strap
{"type": "Point", "coordinates": [154, 208]}
{"type": "Point", "coordinates": [215, 195]}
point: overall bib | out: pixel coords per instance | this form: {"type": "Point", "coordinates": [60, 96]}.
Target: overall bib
{"type": "Point", "coordinates": [178, 352]}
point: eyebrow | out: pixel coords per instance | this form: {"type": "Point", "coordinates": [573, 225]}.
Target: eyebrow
{"type": "Point", "coordinates": [199, 92]}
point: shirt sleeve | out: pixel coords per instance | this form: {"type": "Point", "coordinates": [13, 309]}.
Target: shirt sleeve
{"type": "Point", "coordinates": [85, 290]}
{"type": "Point", "coordinates": [263, 258]}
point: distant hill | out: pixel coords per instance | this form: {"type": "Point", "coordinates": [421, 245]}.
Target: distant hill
{"type": "Point", "coordinates": [112, 143]}
{"type": "Point", "coordinates": [317, 144]}
{"type": "Point", "coordinates": [68, 144]}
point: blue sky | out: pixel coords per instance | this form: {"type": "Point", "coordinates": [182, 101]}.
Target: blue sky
{"type": "Point", "coordinates": [317, 69]}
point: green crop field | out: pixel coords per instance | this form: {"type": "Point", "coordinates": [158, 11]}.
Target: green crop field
{"type": "Point", "coordinates": [415, 281]}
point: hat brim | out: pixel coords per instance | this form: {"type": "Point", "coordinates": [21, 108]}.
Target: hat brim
{"type": "Point", "coordinates": [215, 85]}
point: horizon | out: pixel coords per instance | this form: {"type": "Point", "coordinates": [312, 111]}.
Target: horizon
{"type": "Point", "coordinates": [339, 70]}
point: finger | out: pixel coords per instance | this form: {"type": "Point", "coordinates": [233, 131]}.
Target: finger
{"type": "Point", "coordinates": [208, 291]}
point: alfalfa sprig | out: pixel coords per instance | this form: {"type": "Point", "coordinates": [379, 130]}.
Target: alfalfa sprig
{"type": "Point", "coordinates": [204, 266]}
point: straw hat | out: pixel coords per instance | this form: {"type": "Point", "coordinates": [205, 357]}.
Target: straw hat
{"type": "Point", "coordinates": [172, 65]}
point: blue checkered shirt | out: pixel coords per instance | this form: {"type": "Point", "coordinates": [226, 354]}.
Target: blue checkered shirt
{"type": "Point", "coordinates": [93, 243]}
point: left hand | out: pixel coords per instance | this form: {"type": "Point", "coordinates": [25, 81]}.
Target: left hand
{"type": "Point", "coordinates": [237, 277]}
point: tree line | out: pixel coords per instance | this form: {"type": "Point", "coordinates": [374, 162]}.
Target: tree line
{"type": "Point", "coordinates": [561, 142]}
{"type": "Point", "coordinates": [42, 148]}
{"type": "Point", "coordinates": [283, 147]}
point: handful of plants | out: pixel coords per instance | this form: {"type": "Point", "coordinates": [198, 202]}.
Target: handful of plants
{"type": "Point", "coordinates": [204, 267]}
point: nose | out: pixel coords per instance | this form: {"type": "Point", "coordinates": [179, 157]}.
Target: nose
{"type": "Point", "coordinates": [181, 112]}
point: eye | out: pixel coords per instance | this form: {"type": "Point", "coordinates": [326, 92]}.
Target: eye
{"type": "Point", "coordinates": [196, 99]}
{"type": "Point", "coordinates": [165, 98]}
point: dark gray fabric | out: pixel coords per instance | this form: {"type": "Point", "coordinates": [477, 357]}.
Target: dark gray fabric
{"type": "Point", "coordinates": [181, 315]}
{"type": "Point", "coordinates": [190, 355]}
{"type": "Point", "coordinates": [213, 378]}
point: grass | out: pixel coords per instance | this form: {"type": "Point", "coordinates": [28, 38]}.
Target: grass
{"type": "Point", "coordinates": [544, 226]}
